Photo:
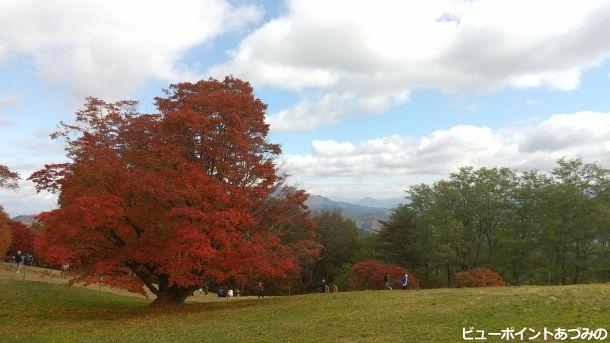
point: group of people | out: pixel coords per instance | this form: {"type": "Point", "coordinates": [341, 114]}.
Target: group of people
{"type": "Point", "coordinates": [28, 260]}
{"type": "Point", "coordinates": [228, 293]}
{"type": "Point", "coordinates": [326, 288]}
{"type": "Point", "coordinates": [22, 259]}
{"type": "Point", "coordinates": [222, 293]}
{"type": "Point", "coordinates": [204, 289]}
{"type": "Point", "coordinates": [404, 281]}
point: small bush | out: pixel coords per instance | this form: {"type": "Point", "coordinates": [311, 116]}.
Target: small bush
{"type": "Point", "coordinates": [478, 277]}
{"type": "Point", "coordinates": [369, 275]}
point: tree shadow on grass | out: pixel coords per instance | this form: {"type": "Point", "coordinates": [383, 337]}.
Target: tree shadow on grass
{"type": "Point", "coordinates": [133, 311]}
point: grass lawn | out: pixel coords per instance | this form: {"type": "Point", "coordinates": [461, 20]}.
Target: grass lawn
{"type": "Point", "coordinates": [37, 311]}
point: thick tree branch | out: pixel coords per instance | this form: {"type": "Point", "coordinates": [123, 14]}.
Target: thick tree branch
{"type": "Point", "coordinates": [133, 266]}
{"type": "Point", "coordinates": [135, 227]}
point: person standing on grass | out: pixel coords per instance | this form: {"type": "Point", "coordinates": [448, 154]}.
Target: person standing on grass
{"type": "Point", "coordinates": [18, 261]}
{"type": "Point", "coordinates": [64, 268]}
{"type": "Point", "coordinates": [386, 281]}
{"type": "Point", "coordinates": [335, 288]}
{"type": "Point", "coordinates": [405, 281]}
{"type": "Point", "coordinates": [260, 290]}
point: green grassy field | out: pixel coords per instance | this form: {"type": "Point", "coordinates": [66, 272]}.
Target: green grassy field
{"type": "Point", "coordinates": [35, 311]}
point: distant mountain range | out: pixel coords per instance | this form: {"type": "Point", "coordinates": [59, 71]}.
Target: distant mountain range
{"type": "Point", "coordinates": [380, 203]}
{"type": "Point", "coordinates": [365, 212]}
{"type": "Point", "coordinates": [25, 219]}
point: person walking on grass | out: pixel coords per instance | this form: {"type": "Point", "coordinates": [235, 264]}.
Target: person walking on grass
{"type": "Point", "coordinates": [386, 281]}
{"type": "Point", "coordinates": [405, 281]}
{"type": "Point", "coordinates": [260, 290]}
{"type": "Point", "coordinates": [18, 261]}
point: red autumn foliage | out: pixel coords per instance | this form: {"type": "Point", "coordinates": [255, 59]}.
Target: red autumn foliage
{"type": "Point", "coordinates": [478, 277]}
{"type": "Point", "coordinates": [5, 234]}
{"type": "Point", "coordinates": [369, 275]}
{"type": "Point", "coordinates": [23, 237]}
{"type": "Point", "coordinates": [8, 178]}
{"type": "Point", "coordinates": [171, 199]}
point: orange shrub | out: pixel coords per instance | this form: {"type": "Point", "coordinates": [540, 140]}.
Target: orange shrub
{"type": "Point", "coordinates": [369, 275]}
{"type": "Point", "coordinates": [478, 277]}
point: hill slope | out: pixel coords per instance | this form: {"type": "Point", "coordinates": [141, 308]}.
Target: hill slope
{"type": "Point", "coordinates": [38, 311]}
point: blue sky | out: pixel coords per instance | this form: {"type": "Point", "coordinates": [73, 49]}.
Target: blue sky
{"type": "Point", "coordinates": [366, 98]}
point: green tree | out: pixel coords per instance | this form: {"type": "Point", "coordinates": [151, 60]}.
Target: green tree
{"type": "Point", "coordinates": [338, 240]}
{"type": "Point", "coordinates": [575, 224]}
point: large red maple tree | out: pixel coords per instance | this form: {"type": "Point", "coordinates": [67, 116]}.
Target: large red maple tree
{"type": "Point", "coordinates": [169, 200]}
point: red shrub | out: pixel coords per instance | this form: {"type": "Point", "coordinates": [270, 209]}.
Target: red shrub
{"type": "Point", "coordinates": [369, 275]}
{"type": "Point", "coordinates": [478, 277]}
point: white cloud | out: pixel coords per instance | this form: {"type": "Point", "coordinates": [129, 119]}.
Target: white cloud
{"type": "Point", "coordinates": [309, 114]}
{"type": "Point", "coordinates": [332, 148]}
{"type": "Point", "coordinates": [9, 99]}
{"type": "Point", "coordinates": [110, 49]}
{"type": "Point", "coordinates": [25, 157]}
{"type": "Point", "coordinates": [386, 166]}
{"type": "Point", "coordinates": [331, 108]}
{"type": "Point", "coordinates": [26, 200]}
{"type": "Point", "coordinates": [583, 130]}
{"type": "Point", "coordinates": [353, 57]}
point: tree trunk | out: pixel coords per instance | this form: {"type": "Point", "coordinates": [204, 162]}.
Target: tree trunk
{"type": "Point", "coordinates": [172, 296]}
{"type": "Point", "coordinates": [166, 293]}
